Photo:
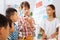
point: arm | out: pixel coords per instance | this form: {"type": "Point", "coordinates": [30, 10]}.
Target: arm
{"type": "Point", "coordinates": [42, 31]}
{"type": "Point", "coordinates": [43, 34]}
{"type": "Point", "coordinates": [55, 33]}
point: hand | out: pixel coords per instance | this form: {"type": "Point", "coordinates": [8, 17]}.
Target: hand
{"type": "Point", "coordinates": [53, 36]}
{"type": "Point", "coordinates": [44, 36]}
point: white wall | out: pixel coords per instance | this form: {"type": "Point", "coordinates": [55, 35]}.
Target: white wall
{"type": "Point", "coordinates": [4, 3]}
{"type": "Point", "coordinates": [2, 7]}
{"type": "Point", "coordinates": [57, 5]}
{"type": "Point", "coordinates": [18, 2]}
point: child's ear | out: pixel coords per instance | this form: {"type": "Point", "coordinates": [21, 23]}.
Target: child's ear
{"type": "Point", "coordinates": [11, 17]}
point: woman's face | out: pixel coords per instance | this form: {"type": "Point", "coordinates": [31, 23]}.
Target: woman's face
{"type": "Point", "coordinates": [49, 11]}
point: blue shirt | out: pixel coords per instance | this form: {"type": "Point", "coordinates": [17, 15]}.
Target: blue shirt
{"type": "Point", "coordinates": [14, 35]}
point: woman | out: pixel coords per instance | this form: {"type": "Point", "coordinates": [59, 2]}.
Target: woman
{"type": "Point", "coordinates": [50, 25]}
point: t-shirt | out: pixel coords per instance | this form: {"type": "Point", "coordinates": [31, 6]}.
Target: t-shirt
{"type": "Point", "coordinates": [49, 26]}
{"type": "Point", "coordinates": [14, 35]}
{"type": "Point", "coordinates": [26, 26]}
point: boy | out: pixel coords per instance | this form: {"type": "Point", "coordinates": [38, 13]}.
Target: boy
{"type": "Point", "coordinates": [13, 15]}
{"type": "Point", "coordinates": [5, 25]}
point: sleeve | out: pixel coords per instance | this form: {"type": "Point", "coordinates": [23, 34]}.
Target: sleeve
{"type": "Point", "coordinates": [42, 24]}
{"type": "Point", "coordinates": [57, 23]}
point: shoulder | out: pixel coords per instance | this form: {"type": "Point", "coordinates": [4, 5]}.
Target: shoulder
{"type": "Point", "coordinates": [57, 20]}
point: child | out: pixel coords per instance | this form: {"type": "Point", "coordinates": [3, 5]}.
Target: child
{"type": "Point", "coordinates": [5, 25]}
{"type": "Point", "coordinates": [26, 27]}
{"type": "Point", "coordinates": [13, 15]}
{"type": "Point", "coordinates": [50, 25]}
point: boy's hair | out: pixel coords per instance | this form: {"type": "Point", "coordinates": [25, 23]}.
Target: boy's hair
{"type": "Point", "coordinates": [10, 23]}
{"type": "Point", "coordinates": [10, 12]}
{"type": "Point", "coordinates": [3, 21]}
{"type": "Point", "coordinates": [26, 4]}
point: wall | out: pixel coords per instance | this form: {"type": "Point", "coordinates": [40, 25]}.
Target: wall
{"type": "Point", "coordinates": [57, 5]}
{"type": "Point", "coordinates": [2, 7]}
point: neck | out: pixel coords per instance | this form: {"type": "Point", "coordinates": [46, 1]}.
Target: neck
{"type": "Point", "coordinates": [50, 18]}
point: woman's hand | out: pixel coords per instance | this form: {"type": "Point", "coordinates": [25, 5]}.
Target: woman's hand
{"type": "Point", "coordinates": [53, 35]}
{"type": "Point", "coordinates": [44, 36]}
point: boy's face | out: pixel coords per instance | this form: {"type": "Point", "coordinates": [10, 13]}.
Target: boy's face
{"type": "Point", "coordinates": [14, 17]}
{"type": "Point", "coordinates": [26, 11]}
{"type": "Point", "coordinates": [4, 32]}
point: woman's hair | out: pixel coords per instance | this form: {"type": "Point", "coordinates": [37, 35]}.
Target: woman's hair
{"type": "Point", "coordinates": [26, 4]}
{"type": "Point", "coordinates": [53, 7]}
